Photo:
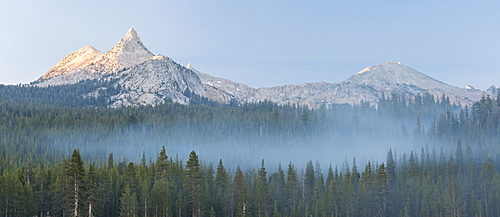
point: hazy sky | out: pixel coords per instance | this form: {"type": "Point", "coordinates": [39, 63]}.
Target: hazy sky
{"type": "Point", "coordinates": [264, 43]}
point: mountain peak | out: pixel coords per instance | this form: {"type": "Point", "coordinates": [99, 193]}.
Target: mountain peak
{"type": "Point", "coordinates": [392, 63]}
{"type": "Point", "coordinates": [393, 73]}
{"type": "Point", "coordinates": [89, 63]}
{"type": "Point", "coordinates": [128, 52]}
{"type": "Point", "coordinates": [131, 35]}
{"type": "Point", "coordinates": [130, 43]}
{"type": "Point", "coordinates": [469, 87]}
{"type": "Point", "coordinates": [73, 61]}
{"type": "Point", "coordinates": [88, 48]}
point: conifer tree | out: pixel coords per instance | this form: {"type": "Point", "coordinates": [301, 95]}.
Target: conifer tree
{"type": "Point", "coordinates": [366, 191]}
{"type": "Point", "coordinates": [347, 195]}
{"type": "Point", "coordinates": [75, 181]}
{"type": "Point", "coordinates": [292, 189]}
{"type": "Point", "coordinates": [240, 194]}
{"type": "Point", "coordinates": [128, 203]}
{"type": "Point", "coordinates": [427, 197]}
{"type": "Point", "coordinates": [91, 194]}
{"type": "Point", "coordinates": [486, 184]}
{"type": "Point", "coordinates": [162, 166]}
{"type": "Point", "coordinates": [330, 194]}
{"type": "Point", "coordinates": [459, 156]}
{"type": "Point", "coordinates": [318, 202]}
{"type": "Point", "coordinates": [11, 194]}
{"type": "Point", "coordinates": [42, 190]}
{"type": "Point", "coordinates": [131, 177]}
{"type": "Point", "coordinates": [382, 191]}
{"type": "Point", "coordinates": [194, 193]}
{"type": "Point", "coordinates": [276, 213]}
{"type": "Point", "coordinates": [59, 191]}
{"type": "Point", "coordinates": [261, 194]}
{"type": "Point", "coordinates": [27, 200]}
{"type": "Point", "coordinates": [144, 201]}
{"type": "Point", "coordinates": [221, 187]}
{"type": "Point", "coordinates": [309, 182]}
{"type": "Point", "coordinates": [280, 189]}
{"type": "Point", "coordinates": [160, 192]}
{"type": "Point", "coordinates": [438, 207]}
{"type": "Point", "coordinates": [208, 187]}
{"type": "Point", "coordinates": [454, 204]}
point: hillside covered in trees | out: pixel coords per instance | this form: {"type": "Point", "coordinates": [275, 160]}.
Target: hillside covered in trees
{"type": "Point", "coordinates": [429, 157]}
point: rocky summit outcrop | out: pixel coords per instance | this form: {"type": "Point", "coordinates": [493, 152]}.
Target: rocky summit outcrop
{"type": "Point", "coordinates": [73, 62]}
{"type": "Point", "coordinates": [88, 63]}
{"type": "Point", "coordinates": [148, 79]}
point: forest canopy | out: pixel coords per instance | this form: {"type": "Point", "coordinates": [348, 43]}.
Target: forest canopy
{"type": "Point", "coordinates": [428, 157]}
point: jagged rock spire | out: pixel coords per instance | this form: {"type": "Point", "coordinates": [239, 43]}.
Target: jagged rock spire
{"type": "Point", "coordinates": [131, 35]}
{"type": "Point", "coordinates": [128, 52]}
{"type": "Point", "coordinates": [89, 63]}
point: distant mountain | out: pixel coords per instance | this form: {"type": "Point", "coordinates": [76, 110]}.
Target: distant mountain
{"type": "Point", "coordinates": [495, 90]}
{"type": "Point", "coordinates": [369, 85]}
{"type": "Point", "coordinates": [146, 79]}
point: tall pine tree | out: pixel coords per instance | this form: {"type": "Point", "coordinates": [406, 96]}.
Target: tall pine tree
{"type": "Point", "coordinates": [75, 174]}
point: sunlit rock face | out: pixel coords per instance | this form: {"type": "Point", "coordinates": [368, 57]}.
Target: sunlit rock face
{"type": "Point", "coordinates": [148, 79]}
{"type": "Point", "coordinates": [145, 79]}
{"type": "Point", "coordinates": [67, 69]}
{"type": "Point", "coordinates": [88, 63]}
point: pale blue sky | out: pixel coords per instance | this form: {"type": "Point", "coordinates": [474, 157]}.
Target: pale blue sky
{"type": "Point", "coordinates": [264, 43]}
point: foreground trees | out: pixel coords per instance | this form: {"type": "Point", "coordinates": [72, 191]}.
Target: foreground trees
{"type": "Point", "coordinates": [75, 175]}
{"type": "Point", "coordinates": [407, 187]}
{"type": "Point", "coordinates": [37, 132]}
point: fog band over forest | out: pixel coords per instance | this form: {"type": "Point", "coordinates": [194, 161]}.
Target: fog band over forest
{"type": "Point", "coordinates": [404, 156]}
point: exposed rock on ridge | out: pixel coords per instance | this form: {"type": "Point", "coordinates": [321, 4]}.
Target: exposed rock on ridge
{"type": "Point", "coordinates": [128, 52]}
{"type": "Point", "coordinates": [157, 80]}
{"type": "Point", "coordinates": [369, 85]}
{"type": "Point", "coordinates": [73, 62]}
{"type": "Point", "coordinates": [147, 79]}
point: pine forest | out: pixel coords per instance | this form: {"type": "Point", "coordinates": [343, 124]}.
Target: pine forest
{"type": "Point", "coordinates": [66, 154]}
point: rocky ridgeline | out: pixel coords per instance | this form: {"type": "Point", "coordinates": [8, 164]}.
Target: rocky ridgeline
{"type": "Point", "coordinates": [148, 79]}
